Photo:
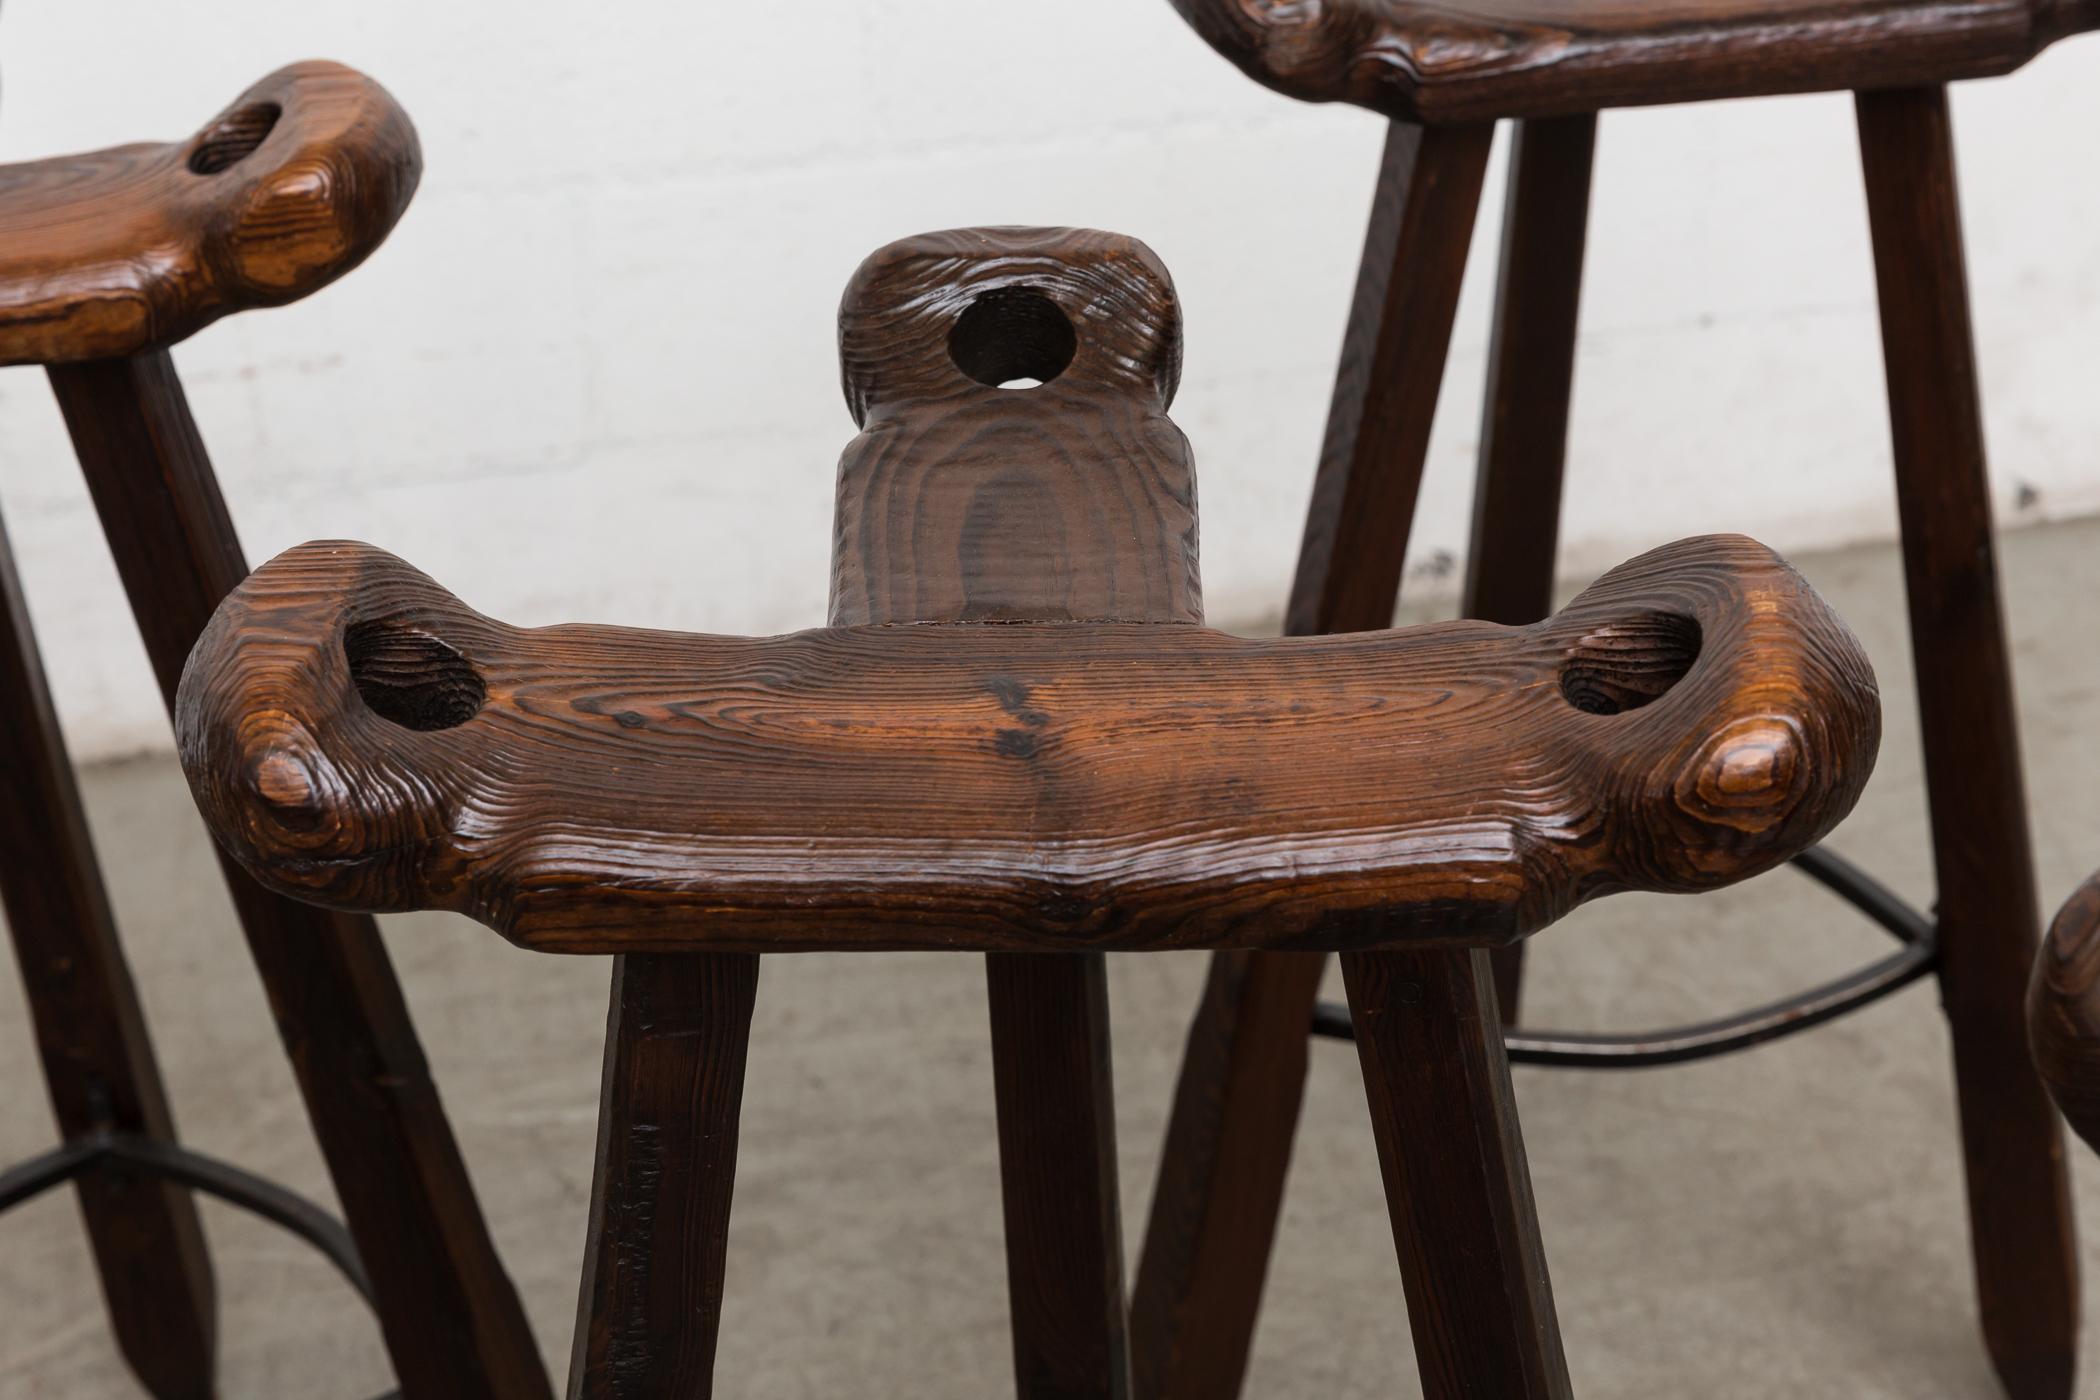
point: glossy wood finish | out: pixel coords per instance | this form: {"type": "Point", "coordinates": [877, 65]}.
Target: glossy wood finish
{"type": "Point", "coordinates": [1227, 1152]}
{"type": "Point", "coordinates": [91, 1034]}
{"type": "Point", "coordinates": [1478, 1299]}
{"type": "Point", "coordinates": [1393, 351]}
{"type": "Point", "coordinates": [1072, 501]}
{"type": "Point", "coordinates": [1484, 59]}
{"type": "Point", "coordinates": [675, 1049]}
{"type": "Point", "coordinates": [452, 1320]}
{"type": "Point", "coordinates": [957, 503]}
{"type": "Point", "coordinates": [1531, 381]}
{"type": "Point", "coordinates": [2063, 1011]}
{"type": "Point", "coordinates": [1220, 1185]}
{"type": "Point", "coordinates": [2019, 1204]}
{"type": "Point", "coordinates": [123, 251]}
{"type": "Point", "coordinates": [1529, 59]}
{"type": "Point", "coordinates": [361, 738]}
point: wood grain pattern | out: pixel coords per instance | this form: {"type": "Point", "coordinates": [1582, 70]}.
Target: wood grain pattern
{"type": "Point", "coordinates": [1222, 1170]}
{"type": "Point", "coordinates": [592, 789]}
{"type": "Point", "coordinates": [900, 780]}
{"type": "Point", "coordinates": [1456, 1183]}
{"type": "Point", "coordinates": [1071, 501]}
{"type": "Point", "coordinates": [935, 528]}
{"type": "Point", "coordinates": [453, 1324]}
{"type": "Point", "coordinates": [132, 249]}
{"type": "Point", "coordinates": [1988, 913]}
{"type": "Point", "coordinates": [676, 1044]}
{"type": "Point", "coordinates": [1228, 1148]}
{"type": "Point", "coordinates": [2063, 1010]}
{"type": "Point", "coordinates": [958, 503]}
{"type": "Point", "coordinates": [1524, 414]}
{"type": "Point", "coordinates": [1392, 367]}
{"type": "Point", "coordinates": [91, 1033]}
{"type": "Point", "coordinates": [1052, 1077]}
{"type": "Point", "coordinates": [1428, 61]}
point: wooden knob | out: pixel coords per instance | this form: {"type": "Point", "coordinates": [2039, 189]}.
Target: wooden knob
{"type": "Point", "coordinates": [131, 249]}
{"type": "Point", "coordinates": [2063, 1011]}
{"type": "Point", "coordinates": [358, 737]}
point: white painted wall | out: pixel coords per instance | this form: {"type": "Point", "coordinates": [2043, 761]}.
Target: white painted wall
{"type": "Point", "coordinates": [592, 374]}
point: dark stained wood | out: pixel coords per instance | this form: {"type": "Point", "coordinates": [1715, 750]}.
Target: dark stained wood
{"type": "Point", "coordinates": [1393, 350]}
{"type": "Point", "coordinates": [359, 736]}
{"type": "Point", "coordinates": [675, 1049]}
{"type": "Point", "coordinates": [452, 1320]}
{"type": "Point", "coordinates": [1219, 1192]}
{"type": "Point", "coordinates": [1532, 59]}
{"type": "Point", "coordinates": [91, 1034]}
{"type": "Point", "coordinates": [122, 251]}
{"type": "Point", "coordinates": [1071, 501]}
{"type": "Point", "coordinates": [1531, 372]}
{"type": "Point", "coordinates": [1057, 1173]}
{"type": "Point", "coordinates": [2026, 1267]}
{"type": "Point", "coordinates": [1456, 1184]}
{"type": "Point", "coordinates": [1228, 1147]}
{"type": "Point", "coordinates": [1421, 61]}
{"type": "Point", "coordinates": [1531, 379]}
{"type": "Point", "coordinates": [1107, 785]}
{"type": "Point", "coordinates": [957, 502]}
{"type": "Point", "coordinates": [161, 510]}
{"type": "Point", "coordinates": [2063, 1011]}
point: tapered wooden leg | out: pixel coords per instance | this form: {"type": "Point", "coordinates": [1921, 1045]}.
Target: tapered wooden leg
{"type": "Point", "coordinates": [1478, 1299]}
{"type": "Point", "coordinates": [1989, 920]}
{"type": "Point", "coordinates": [676, 1041]}
{"type": "Point", "coordinates": [452, 1320]}
{"type": "Point", "coordinates": [1531, 379]}
{"type": "Point", "coordinates": [1228, 1143]}
{"type": "Point", "coordinates": [1392, 369]}
{"type": "Point", "coordinates": [1057, 1172]}
{"type": "Point", "coordinates": [98, 1061]}
{"type": "Point", "coordinates": [1221, 1175]}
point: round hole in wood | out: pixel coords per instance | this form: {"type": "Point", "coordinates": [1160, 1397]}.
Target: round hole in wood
{"type": "Point", "coordinates": [411, 678]}
{"type": "Point", "coordinates": [1627, 664]}
{"type": "Point", "coordinates": [1013, 338]}
{"type": "Point", "coordinates": [231, 138]}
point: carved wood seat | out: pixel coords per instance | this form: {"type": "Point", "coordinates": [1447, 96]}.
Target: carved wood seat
{"type": "Point", "coordinates": [1473, 60]}
{"type": "Point", "coordinates": [1016, 737]}
{"type": "Point", "coordinates": [366, 741]}
{"type": "Point", "coordinates": [121, 251]}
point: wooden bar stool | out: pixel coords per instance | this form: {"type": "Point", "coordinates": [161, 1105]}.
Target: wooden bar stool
{"type": "Point", "coordinates": [1443, 75]}
{"type": "Point", "coordinates": [1017, 738]}
{"type": "Point", "coordinates": [107, 260]}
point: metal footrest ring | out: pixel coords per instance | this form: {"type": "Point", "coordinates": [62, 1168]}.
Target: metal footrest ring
{"type": "Point", "coordinates": [1772, 1021]}
{"type": "Point", "coordinates": [106, 1151]}
{"type": "Point", "coordinates": [125, 1151]}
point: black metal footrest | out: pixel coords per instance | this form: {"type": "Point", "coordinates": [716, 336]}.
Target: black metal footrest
{"type": "Point", "coordinates": [1772, 1021]}
{"type": "Point", "coordinates": [149, 1157]}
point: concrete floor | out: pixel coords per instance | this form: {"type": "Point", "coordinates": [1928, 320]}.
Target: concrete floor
{"type": "Point", "coordinates": [1784, 1223]}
